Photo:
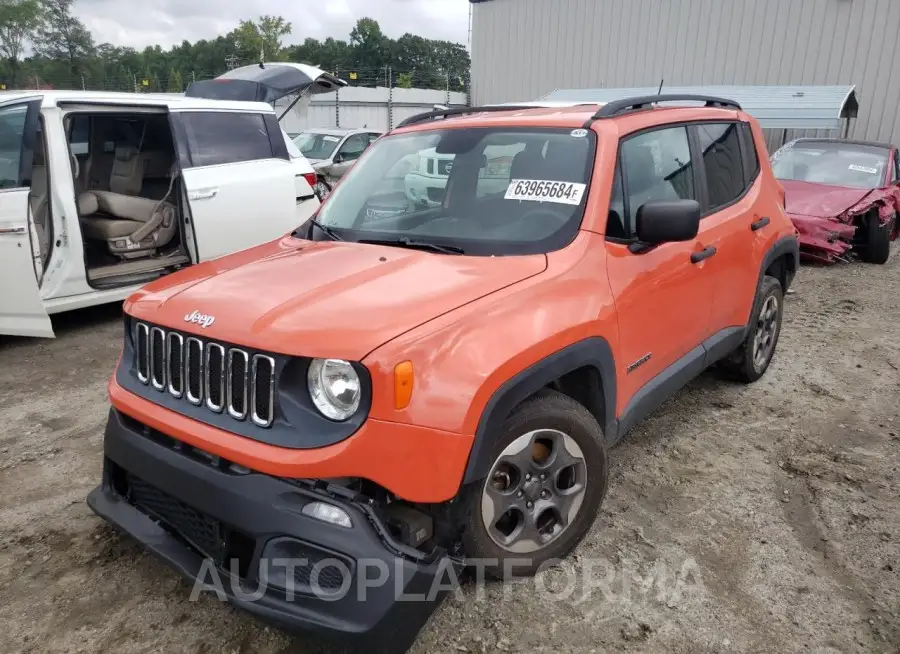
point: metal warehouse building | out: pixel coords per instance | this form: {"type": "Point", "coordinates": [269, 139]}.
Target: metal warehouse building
{"type": "Point", "coordinates": [525, 49]}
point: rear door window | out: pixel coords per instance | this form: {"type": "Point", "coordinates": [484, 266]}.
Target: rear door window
{"type": "Point", "coordinates": [720, 152]}
{"type": "Point", "coordinates": [12, 140]}
{"type": "Point", "coordinates": [217, 137]}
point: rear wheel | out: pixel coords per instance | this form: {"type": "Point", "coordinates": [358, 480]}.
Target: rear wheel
{"type": "Point", "coordinates": [546, 484]}
{"type": "Point", "coordinates": [875, 246]}
{"type": "Point", "coordinates": [750, 361]}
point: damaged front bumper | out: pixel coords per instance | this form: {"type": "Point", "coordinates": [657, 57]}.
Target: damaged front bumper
{"type": "Point", "coordinates": [251, 539]}
{"type": "Point", "coordinates": [828, 239]}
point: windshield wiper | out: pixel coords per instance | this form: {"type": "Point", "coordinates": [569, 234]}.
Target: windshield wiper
{"type": "Point", "coordinates": [330, 233]}
{"type": "Point", "coordinates": [406, 242]}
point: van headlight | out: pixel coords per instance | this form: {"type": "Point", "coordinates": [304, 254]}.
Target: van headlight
{"type": "Point", "coordinates": [334, 388]}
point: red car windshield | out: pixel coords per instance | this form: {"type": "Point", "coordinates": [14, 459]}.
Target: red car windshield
{"type": "Point", "coordinates": [833, 163]}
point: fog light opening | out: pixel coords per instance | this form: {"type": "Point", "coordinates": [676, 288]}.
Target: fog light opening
{"type": "Point", "coordinates": [328, 513]}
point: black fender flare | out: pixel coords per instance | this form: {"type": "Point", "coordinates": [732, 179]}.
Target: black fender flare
{"type": "Point", "coordinates": [594, 351]}
{"type": "Point", "coordinates": [785, 246]}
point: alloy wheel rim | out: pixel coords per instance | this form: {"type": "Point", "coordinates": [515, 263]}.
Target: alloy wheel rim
{"type": "Point", "coordinates": [534, 491]}
{"type": "Point", "coordinates": [766, 326]}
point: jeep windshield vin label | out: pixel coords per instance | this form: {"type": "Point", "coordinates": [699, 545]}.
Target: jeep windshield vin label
{"type": "Point", "coordinates": [545, 191]}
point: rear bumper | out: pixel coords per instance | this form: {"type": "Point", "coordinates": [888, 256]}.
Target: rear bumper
{"type": "Point", "coordinates": [245, 535]}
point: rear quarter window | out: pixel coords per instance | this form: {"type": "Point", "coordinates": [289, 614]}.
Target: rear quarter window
{"type": "Point", "coordinates": [749, 154]}
{"type": "Point", "coordinates": [217, 138]}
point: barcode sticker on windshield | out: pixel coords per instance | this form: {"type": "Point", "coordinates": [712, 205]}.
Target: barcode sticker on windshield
{"type": "Point", "coordinates": [536, 190]}
{"type": "Point", "coordinates": [864, 169]}
{"type": "Point", "coordinates": [331, 139]}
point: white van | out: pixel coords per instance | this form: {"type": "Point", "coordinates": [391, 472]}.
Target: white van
{"type": "Point", "coordinates": [103, 192]}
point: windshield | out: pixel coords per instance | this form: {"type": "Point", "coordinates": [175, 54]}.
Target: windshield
{"type": "Point", "coordinates": [316, 146]}
{"type": "Point", "coordinates": [487, 191]}
{"type": "Point", "coordinates": [834, 163]}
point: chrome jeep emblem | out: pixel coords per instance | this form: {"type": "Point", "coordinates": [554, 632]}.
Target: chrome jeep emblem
{"type": "Point", "coordinates": [201, 319]}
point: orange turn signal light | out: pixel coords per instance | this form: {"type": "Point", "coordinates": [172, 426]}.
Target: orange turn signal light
{"type": "Point", "coordinates": [403, 384]}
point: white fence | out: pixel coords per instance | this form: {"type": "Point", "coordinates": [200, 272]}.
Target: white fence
{"type": "Point", "coordinates": [356, 106]}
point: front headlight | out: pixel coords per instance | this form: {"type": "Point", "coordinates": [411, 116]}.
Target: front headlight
{"type": "Point", "coordinates": [334, 388]}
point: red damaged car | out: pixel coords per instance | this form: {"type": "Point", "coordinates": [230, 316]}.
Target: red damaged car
{"type": "Point", "coordinates": [841, 196]}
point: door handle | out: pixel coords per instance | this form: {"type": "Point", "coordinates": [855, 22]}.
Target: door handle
{"type": "Point", "coordinates": [12, 230]}
{"type": "Point", "coordinates": [697, 257]}
{"type": "Point", "coordinates": [759, 224]}
{"type": "Point", "coordinates": [203, 194]}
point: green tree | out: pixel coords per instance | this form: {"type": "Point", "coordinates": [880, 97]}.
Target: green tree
{"type": "Point", "coordinates": [261, 38]}
{"type": "Point", "coordinates": [405, 80]}
{"type": "Point", "coordinates": [64, 39]}
{"type": "Point", "coordinates": [175, 83]}
{"type": "Point", "coordinates": [19, 21]}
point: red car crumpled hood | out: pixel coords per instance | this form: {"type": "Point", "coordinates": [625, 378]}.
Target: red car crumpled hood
{"type": "Point", "coordinates": [323, 299]}
{"type": "Point", "coordinates": [820, 200]}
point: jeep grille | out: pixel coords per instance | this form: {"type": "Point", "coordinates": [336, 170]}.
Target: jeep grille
{"type": "Point", "coordinates": [220, 377]}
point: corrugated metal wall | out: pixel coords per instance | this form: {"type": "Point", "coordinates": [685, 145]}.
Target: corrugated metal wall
{"type": "Point", "coordinates": [522, 49]}
{"type": "Point", "coordinates": [358, 106]}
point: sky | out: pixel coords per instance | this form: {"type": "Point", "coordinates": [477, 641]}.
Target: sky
{"type": "Point", "coordinates": [138, 23]}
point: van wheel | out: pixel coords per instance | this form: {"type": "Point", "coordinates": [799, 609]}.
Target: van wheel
{"type": "Point", "coordinates": [750, 361]}
{"type": "Point", "coordinates": [544, 489]}
{"type": "Point", "coordinates": [322, 189]}
{"type": "Point", "coordinates": [876, 239]}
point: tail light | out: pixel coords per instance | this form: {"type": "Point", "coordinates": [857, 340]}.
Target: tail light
{"type": "Point", "coordinates": [311, 179]}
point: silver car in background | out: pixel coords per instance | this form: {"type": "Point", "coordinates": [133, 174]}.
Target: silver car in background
{"type": "Point", "coordinates": [331, 151]}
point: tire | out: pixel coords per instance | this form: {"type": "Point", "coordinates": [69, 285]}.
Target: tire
{"type": "Point", "coordinates": [876, 239]}
{"type": "Point", "coordinates": [547, 418]}
{"type": "Point", "coordinates": [742, 365]}
{"type": "Point", "coordinates": [322, 189]}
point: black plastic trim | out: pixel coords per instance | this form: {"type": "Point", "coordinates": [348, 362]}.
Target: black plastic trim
{"type": "Point", "coordinates": [460, 111]}
{"type": "Point", "coordinates": [179, 134]}
{"type": "Point", "coordinates": [266, 508]}
{"type": "Point", "coordinates": [618, 107]}
{"type": "Point", "coordinates": [668, 382]}
{"type": "Point", "coordinates": [594, 352]}
{"type": "Point", "coordinates": [785, 246]}
{"type": "Point", "coordinates": [297, 424]}
{"type": "Point", "coordinates": [276, 137]}
{"type": "Point", "coordinates": [703, 255]}
{"type": "Point", "coordinates": [759, 224]}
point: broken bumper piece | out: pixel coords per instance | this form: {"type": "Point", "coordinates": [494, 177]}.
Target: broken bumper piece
{"type": "Point", "coordinates": [828, 239]}
{"type": "Point", "coordinates": [249, 539]}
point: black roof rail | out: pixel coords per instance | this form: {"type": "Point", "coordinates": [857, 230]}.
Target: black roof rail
{"type": "Point", "coordinates": [617, 107]}
{"type": "Point", "coordinates": [460, 111]}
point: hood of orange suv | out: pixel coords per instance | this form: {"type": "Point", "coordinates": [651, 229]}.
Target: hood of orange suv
{"type": "Point", "coordinates": [322, 299]}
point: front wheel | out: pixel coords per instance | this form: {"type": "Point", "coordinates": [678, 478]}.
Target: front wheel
{"type": "Point", "coordinates": [876, 239]}
{"type": "Point", "coordinates": [546, 484]}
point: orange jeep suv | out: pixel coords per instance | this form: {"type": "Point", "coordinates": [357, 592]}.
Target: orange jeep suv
{"type": "Point", "coordinates": [332, 417]}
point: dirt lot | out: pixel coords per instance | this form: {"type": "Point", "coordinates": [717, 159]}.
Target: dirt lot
{"type": "Point", "coordinates": [763, 519]}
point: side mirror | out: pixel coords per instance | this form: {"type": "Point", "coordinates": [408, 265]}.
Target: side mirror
{"type": "Point", "coordinates": [668, 221]}
{"type": "Point", "coordinates": [339, 158]}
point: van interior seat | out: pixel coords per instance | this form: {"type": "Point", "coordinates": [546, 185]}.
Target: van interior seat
{"type": "Point", "coordinates": [130, 225]}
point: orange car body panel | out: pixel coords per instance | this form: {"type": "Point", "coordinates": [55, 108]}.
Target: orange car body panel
{"type": "Point", "coordinates": [419, 462]}
{"type": "Point", "coordinates": [467, 324]}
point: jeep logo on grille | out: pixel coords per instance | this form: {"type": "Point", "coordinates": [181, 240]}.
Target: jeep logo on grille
{"type": "Point", "coordinates": [201, 319]}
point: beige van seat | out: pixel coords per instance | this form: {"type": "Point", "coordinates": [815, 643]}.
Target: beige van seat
{"type": "Point", "coordinates": [130, 225]}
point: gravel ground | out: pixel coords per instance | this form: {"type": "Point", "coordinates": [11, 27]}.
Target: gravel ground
{"type": "Point", "coordinates": [756, 519]}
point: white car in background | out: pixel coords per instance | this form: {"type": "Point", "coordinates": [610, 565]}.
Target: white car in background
{"type": "Point", "coordinates": [429, 171]}
{"type": "Point", "coordinates": [331, 151]}
{"type": "Point", "coordinates": [103, 192]}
